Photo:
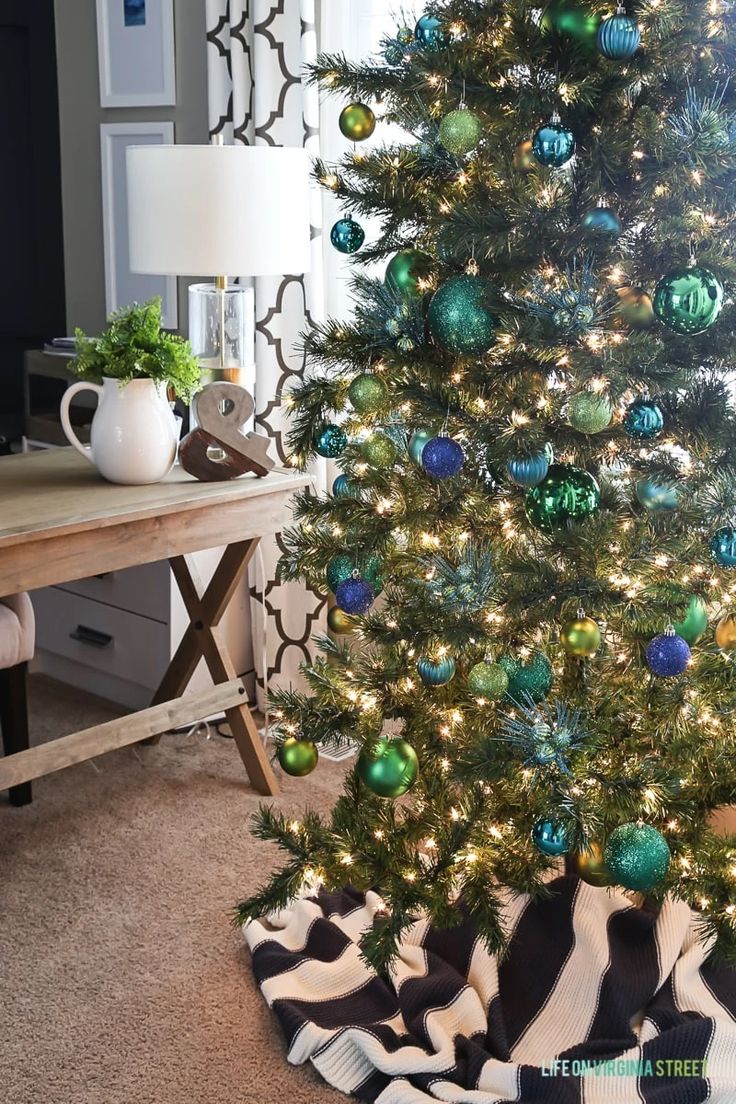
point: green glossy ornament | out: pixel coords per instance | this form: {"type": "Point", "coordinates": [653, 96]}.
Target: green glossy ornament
{"type": "Point", "coordinates": [568, 17]}
{"type": "Point", "coordinates": [589, 413]}
{"type": "Point", "coordinates": [531, 678]}
{"type": "Point", "coordinates": [460, 131]}
{"type": "Point", "coordinates": [389, 768]}
{"type": "Point", "coordinates": [330, 441]}
{"type": "Point", "coordinates": [367, 393]}
{"type": "Point", "coordinates": [638, 856]}
{"type": "Point", "coordinates": [581, 637]}
{"type": "Point", "coordinates": [565, 494]}
{"type": "Point", "coordinates": [340, 622]}
{"type": "Point", "coordinates": [695, 623]}
{"type": "Point", "coordinates": [488, 680]}
{"type": "Point", "coordinates": [590, 866]}
{"type": "Point", "coordinates": [417, 441]}
{"type": "Point", "coordinates": [405, 270]}
{"type": "Point", "coordinates": [688, 300]}
{"type": "Point", "coordinates": [357, 122]}
{"type": "Point", "coordinates": [459, 318]}
{"type": "Point", "coordinates": [298, 757]}
{"type": "Point", "coordinates": [379, 451]}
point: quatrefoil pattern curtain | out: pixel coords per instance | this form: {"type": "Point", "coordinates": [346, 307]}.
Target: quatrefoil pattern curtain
{"type": "Point", "coordinates": [257, 50]}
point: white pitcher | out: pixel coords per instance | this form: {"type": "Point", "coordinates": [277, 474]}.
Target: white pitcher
{"type": "Point", "coordinates": [133, 438]}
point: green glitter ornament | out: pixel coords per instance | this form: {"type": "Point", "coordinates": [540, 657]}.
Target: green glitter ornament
{"type": "Point", "coordinates": [405, 269]}
{"type": "Point", "coordinates": [589, 413]}
{"type": "Point", "coordinates": [488, 680]}
{"type": "Point", "coordinates": [458, 317]}
{"type": "Point", "coordinates": [528, 678]}
{"type": "Point", "coordinates": [297, 757]}
{"type": "Point", "coordinates": [379, 451]}
{"type": "Point", "coordinates": [695, 622]}
{"type": "Point", "coordinates": [367, 393]}
{"type": "Point", "coordinates": [460, 131]}
{"type": "Point", "coordinates": [389, 768]}
{"type": "Point", "coordinates": [566, 494]}
{"type": "Point", "coordinates": [688, 300]}
{"type": "Point", "coordinates": [638, 856]}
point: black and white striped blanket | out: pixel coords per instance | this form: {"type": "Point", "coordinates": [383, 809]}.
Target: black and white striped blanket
{"type": "Point", "coordinates": [597, 1002]}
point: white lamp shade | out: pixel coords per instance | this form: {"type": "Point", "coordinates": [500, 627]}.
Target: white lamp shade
{"type": "Point", "coordinates": [218, 210]}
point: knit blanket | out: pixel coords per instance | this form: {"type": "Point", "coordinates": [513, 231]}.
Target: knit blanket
{"type": "Point", "coordinates": [596, 1002]}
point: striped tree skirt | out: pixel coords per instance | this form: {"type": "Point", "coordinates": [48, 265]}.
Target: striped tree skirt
{"type": "Point", "coordinates": [597, 1002]}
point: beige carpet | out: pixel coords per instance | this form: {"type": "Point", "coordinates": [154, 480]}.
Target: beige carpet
{"type": "Point", "coordinates": [121, 979]}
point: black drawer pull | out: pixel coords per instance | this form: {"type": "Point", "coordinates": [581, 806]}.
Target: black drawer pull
{"type": "Point", "coordinates": [94, 637]}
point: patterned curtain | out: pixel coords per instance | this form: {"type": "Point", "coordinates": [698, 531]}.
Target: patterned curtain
{"type": "Point", "coordinates": [258, 95]}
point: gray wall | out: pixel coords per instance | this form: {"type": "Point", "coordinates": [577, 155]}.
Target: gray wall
{"type": "Point", "coordinates": [80, 117]}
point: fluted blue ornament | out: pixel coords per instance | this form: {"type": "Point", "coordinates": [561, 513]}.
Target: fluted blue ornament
{"type": "Point", "coordinates": [442, 457]}
{"type": "Point", "coordinates": [550, 837]}
{"type": "Point", "coordinates": [343, 488]}
{"type": "Point", "coordinates": [659, 496]}
{"type": "Point", "coordinates": [723, 546]}
{"type": "Point", "coordinates": [618, 36]}
{"type": "Point", "coordinates": [417, 441]}
{"type": "Point", "coordinates": [330, 440]}
{"type": "Point", "coordinates": [436, 672]}
{"type": "Point", "coordinates": [644, 420]}
{"type": "Point", "coordinates": [668, 654]}
{"type": "Point", "coordinates": [553, 144]}
{"type": "Point", "coordinates": [430, 33]}
{"type": "Point", "coordinates": [347, 235]}
{"type": "Point", "coordinates": [529, 471]}
{"type": "Point", "coordinates": [354, 595]}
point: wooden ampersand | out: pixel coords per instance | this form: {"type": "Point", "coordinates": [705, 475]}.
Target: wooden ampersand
{"type": "Point", "coordinates": [220, 409]}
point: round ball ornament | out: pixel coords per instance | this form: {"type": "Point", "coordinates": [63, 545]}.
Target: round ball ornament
{"type": "Point", "coordinates": [430, 33]}
{"type": "Point", "coordinates": [341, 623]}
{"type": "Point", "coordinates": [723, 546]}
{"type": "Point", "coordinates": [688, 300]}
{"type": "Point", "coordinates": [644, 420]}
{"type": "Point", "coordinates": [618, 36]}
{"type": "Point", "coordinates": [590, 866]}
{"type": "Point", "coordinates": [357, 122]}
{"type": "Point", "coordinates": [550, 837]}
{"type": "Point", "coordinates": [379, 450]}
{"type": "Point", "coordinates": [405, 35]}
{"type": "Point", "coordinates": [695, 623]}
{"type": "Point", "coordinates": [528, 679]}
{"type": "Point", "coordinates": [589, 413]}
{"type": "Point", "coordinates": [419, 438]}
{"type": "Point", "coordinates": [297, 757]}
{"type": "Point", "coordinates": [488, 680]}
{"type": "Point", "coordinates": [330, 441]}
{"type": "Point", "coordinates": [726, 633]}
{"type": "Point", "coordinates": [523, 159]}
{"type": "Point", "coordinates": [460, 131]}
{"type": "Point", "coordinates": [636, 307]}
{"type": "Point", "coordinates": [603, 221]}
{"type": "Point", "coordinates": [390, 768]}
{"type": "Point", "coordinates": [342, 567]}
{"type": "Point", "coordinates": [343, 488]}
{"type": "Point", "coordinates": [405, 269]}
{"type": "Point", "coordinates": [354, 595]}
{"type": "Point", "coordinates": [668, 654]}
{"type": "Point", "coordinates": [458, 317]}
{"type": "Point", "coordinates": [347, 235]}
{"type": "Point", "coordinates": [658, 496]}
{"type": "Point", "coordinates": [394, 53]}
{"type": "Point", "coordinates": [565, 494]}
{"type": "Point", "coordinates": [638, 856]}
{"type": "Point", "coordinates": [367, 393]}
{"type": "Point", "coordinates": [436, 672]}
{"type": "Point", "coordinates": [529, 471]}
{"type": "Point", "coordinates": [570, 17]}
{"type": "Point", "coordinates": [553, 144]}
{"type": "Point", "coordinates": [581, 637]}
{"type": "Point", "coordinates": [442, 457]}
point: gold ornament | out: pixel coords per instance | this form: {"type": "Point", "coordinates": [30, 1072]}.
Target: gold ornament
{"type": "Point", "coordinates": [581, 637]}
{"type": "Point", "coordinates": [636, 307]}
{"type": "Point", "coordinates": [726, 633]}
{"type": "Point", "coordinates": [590, 867]}
{"type": "Point", "coordinates": [523, 160]}
{"type": "Point", "coordinates": [340, 622]}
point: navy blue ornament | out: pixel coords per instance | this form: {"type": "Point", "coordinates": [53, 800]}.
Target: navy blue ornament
{"type": "Point", "coordinates": [550, 837]}
{"type": "Point", "coordinates": [430, 33]}
{"type": "Point", "coordinates": [553, 144]}
{"type": "Point", "coordinates": [723, 546]}
{"type": "Point", "coordinates": [347, 235]}
{"type": "Point", "coordinates": [330, 440]}
{"type": "Point", "coordinates": [668, 654]}
{"type": "Point", "coordinates": [342, 487]}
{"type": "Point", "coordinates": [354, 595]}
{"type": "Point", "coordinates": [442, 457]}
{"type": "Point", "coordinates": [436, 673]}
{"type": "Point", "coordinates": [603, 221]}
{"type": "Point", "coordinates": [644, 420]}
{"type": "Point", "coordinates": [618, 36]}
{"type": "Point", "coordinates": [529, 471]}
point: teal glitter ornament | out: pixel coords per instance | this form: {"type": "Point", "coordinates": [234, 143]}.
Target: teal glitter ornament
{"type": "Point", "coordinates": [436, 672]}
{"type": "Point", "coordinates": [603, 221]}
{"type": "Point", "coordinates": [419, 438]}
{"type": "Point", "coordinates": [589, 413]}
{"type": "Point", "coordinates": [553, 145]}
{"type": "Point", "coordinates": [430, 33]}
{"type": "Point", "coordinates": [550, 837]}
{"type": "Point", "coordinates": [390, 768]}
{"type": "Point", "coordinates": [566, 494]}
{"type": "Point", "coordinates": [644, 420]}
{"type": "Point", "coordinates": [694, 625]}
{"type": "Point", "coordinates": [488, 680]}
{"type": "Point", "coordinates": [531, 678]}
{"type": "Point", "coordinates": [688, 300]}
{"type": "Point", "coordinates": [459, 318]}
{"type": "Point", "coordinates": [658, 496]}
{"type": "Point", "coordinates": [637, 856]}
{"type": "Point", "coordinates": [347, 235]}
{"type": "Point", "coordinates": [618, 36]}
{"type": "Point", "coordinates": [330, 441]}
{"type": "Point", "coordinates": [723, 546]}
{"type": "Point", "coordinates": [379, 451]}
{"type": "Point", "coordinates": [460, 131]}
{"type": "Point", "coordinates": [367, 393]}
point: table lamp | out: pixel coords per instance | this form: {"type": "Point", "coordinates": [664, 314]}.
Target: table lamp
{"type": "Point", "coordinates": [219, 211]}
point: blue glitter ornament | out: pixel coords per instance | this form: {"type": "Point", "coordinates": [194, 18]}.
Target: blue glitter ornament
{"type": "Point", "coordinates": [644, 420]}
{"type": "Point", "coordinates": [659, 496]}
{"type": "Point", "coordinates": [618, 36]}
{"type": "Point", "coordinates": [430, 33]}
{"type": "Point", "coordinates": [436, 673]}
{"type": "Point", "coordinates": [529, 471]}
{"type": "Point", "coordinates": [342, 487]}
{"type": "Point", "coordinates": [442, 457]}
{"type": "Point", "coordinates": [553, 144]}
{"type": "Point", "coordinates": [347, 235]}
{"type": "Point", "coordinates": [723, 546]}
{"type": "Point", "coordinates": [637, 856]}
{"type": "Point", "coordinates": [330, 440]}
{"type": "Point", "coordinates": [354, 595]}
{"type": "Point", "coordinates": [668, 654]}
{"type": "Point", "coordinates": [550, 837]}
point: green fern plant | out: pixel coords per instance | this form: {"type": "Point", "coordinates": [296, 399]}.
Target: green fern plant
{"type": "Point", "coordinates": [135, 347]}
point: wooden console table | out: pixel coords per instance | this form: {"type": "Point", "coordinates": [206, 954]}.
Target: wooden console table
{"type": "Point", "coordinates": [59, 521]}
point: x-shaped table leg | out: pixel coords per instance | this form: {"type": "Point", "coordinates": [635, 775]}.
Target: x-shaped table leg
{"type": "Point", "coordinates": [204, 638]}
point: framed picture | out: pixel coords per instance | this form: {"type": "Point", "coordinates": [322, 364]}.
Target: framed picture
{"type": "Point", "coordinates": [135, 46]}
{"type": "Point", "coordinates": [121, 285]}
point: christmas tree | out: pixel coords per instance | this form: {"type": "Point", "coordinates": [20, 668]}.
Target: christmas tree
{"type": "Point", "coordinates": [532, 540]}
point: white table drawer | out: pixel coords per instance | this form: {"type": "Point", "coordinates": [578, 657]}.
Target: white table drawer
{"type": "Point", "coordinates": [145, 590]}
{"type": "Point", "coordinates": [101, 637]}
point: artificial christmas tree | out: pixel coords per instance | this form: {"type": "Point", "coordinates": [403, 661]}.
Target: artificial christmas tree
{"type": "Point", "coordinates": [544, 476]}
